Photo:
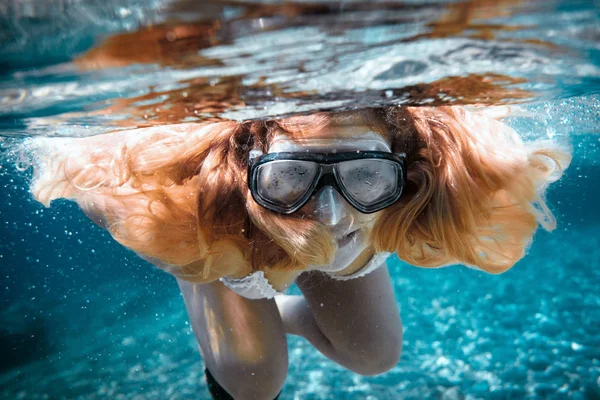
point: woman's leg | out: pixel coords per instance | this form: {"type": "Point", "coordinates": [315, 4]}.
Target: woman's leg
{"type": "Point", "coordinates": [242, 341]}
{"type": "Point", "coordinates": [356, 323]}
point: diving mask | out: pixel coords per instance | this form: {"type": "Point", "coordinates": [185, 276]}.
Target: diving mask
{"type": "Point", "coordinates": [285, 181]}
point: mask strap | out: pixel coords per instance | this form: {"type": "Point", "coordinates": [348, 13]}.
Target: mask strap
{"type": "Point", "coordinates": [254, 153]}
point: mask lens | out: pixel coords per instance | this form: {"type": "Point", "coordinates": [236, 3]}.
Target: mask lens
{"type": "Point", "coordinates": [285, 182]}
{"type": "Point", "coordinates": [369, 181]}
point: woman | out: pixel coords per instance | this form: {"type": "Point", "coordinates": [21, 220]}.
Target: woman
{"type": "Point", "coordinates": [239, 211]}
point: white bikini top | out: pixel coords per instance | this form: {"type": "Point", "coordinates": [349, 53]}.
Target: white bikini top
{"type": "Point", "coordinates": [256, 285]}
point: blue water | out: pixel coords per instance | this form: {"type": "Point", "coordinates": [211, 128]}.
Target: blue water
{"type": "Point", "coordinates": [82, 317]}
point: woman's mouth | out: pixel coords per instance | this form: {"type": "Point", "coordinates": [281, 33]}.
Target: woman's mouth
{"type": "Point", "coordinates": [350, 237]}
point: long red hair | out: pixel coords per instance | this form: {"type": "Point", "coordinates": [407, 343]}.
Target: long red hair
{"type": "Point", "coordinates": [177, 195]}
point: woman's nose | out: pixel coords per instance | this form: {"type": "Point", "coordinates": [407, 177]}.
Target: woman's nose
{"type": "Point", "coordinates": [330, 208]}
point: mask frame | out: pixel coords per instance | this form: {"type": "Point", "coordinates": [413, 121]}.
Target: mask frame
{"type": "Point", "coordinates": [327, 175]}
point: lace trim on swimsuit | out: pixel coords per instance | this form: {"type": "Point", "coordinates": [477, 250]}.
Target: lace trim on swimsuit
{"type": "Point", "coordinates": [253, 286]}
{"type": "Point", "coordinates": [375, 262]}
{"type": "Point", "coordinates": [256, 285]}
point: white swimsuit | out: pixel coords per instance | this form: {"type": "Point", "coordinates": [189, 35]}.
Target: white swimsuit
{"type": "Point", "coordinates": [256, 285]}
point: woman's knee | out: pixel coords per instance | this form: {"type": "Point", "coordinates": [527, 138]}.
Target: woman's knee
{"type": "Point", "coordinates": [260, 379]}
{"type": "Point", "coordinates": [372, 356]}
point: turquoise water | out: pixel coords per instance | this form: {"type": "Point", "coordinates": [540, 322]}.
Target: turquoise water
{"type": "Point", "coordinates": [81, 317]}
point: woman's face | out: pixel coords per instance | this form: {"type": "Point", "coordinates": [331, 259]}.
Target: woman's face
{"type": "Point", "coordinates": [347, 225]}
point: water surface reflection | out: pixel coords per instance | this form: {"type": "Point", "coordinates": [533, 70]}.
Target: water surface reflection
{"type": "Point", "coordinates": [181, 61]}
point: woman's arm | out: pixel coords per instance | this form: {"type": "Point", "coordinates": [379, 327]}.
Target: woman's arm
{"type": "Point", "coordinates": [242, 341]}
{"type": "Point", "coordinates": [356, 323]}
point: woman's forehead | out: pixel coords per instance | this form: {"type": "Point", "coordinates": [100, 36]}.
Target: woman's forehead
{"type": "Point", "coordinates": [367, 141]}
{"type": "Point", "coordinates": [328, 132]}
